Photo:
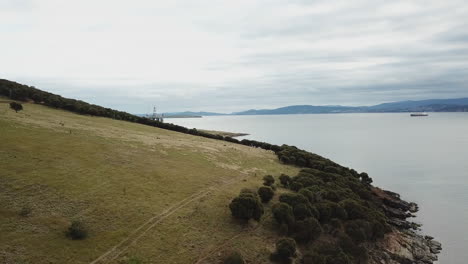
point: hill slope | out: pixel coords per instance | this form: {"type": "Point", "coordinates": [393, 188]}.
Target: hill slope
{"type": "Point", "coordinates": [142, 192]}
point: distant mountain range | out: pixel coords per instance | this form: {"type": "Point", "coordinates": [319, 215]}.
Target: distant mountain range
{"type": "Point", "coordinates": [432, 105]}
{"type": "Point", "coordinates": [189, 113]}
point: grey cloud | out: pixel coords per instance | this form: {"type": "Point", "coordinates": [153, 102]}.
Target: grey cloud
{"type": "Point", "coordinates": [382, 55]}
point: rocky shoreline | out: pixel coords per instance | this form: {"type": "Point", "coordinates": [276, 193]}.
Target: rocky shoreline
{"type": "Point", "coordinates": [404, 245]}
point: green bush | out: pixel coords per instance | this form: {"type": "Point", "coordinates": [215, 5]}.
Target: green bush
{"type": "Point", "coordinates": [234, 258]}
{"type": "Point", "coordinates": [312, 257]}
{"type": "Point", "coordinates": [307, 230]}
{"type": "Point", "coordinates": [284, 180]}
{"type": "Point", "coordinates": [266, 193]}
{"type": "Point", "coordinates": [340, 258]}
{"type": "Point", "coordinates": [246, 206]}
{"type": "Point", "coordinates": [359, 230]}
{"type": "Point", "coordinates": [354, 209]}
{"type": "Point", "coordinates": [283, 213]}
{"type": "Point", "coordinates": [296, 186]}
{"type": "Point", "coordinates": [306, 192]}
{"type": "Point", "coordinates": [365, 178]}
{"type": "Point", "coordinates": [301, 211]}
{"type": "Point", "coordinates": [293, 198]}
{"type": "Point", "coordinates": [268, 180]}
{"type": "Point", "coordinates": [16, 106]}
{"type": "Point", "coordinates": [358, 252]}
{"type": "Point", "coordinates": [285, 248]}
{"type": "Point", "coordinates": [77, 230]}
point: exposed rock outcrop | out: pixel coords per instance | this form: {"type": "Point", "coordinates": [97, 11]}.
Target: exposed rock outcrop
{"type": "Point", "coordinates": [404, 245]}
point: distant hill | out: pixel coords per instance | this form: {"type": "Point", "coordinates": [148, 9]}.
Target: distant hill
{"type": "Point", "coordinates": [433, 105]}
{"type": "Point", "coordinates": [298, 109]}
{"type": "Point", "coordinates": [191, 114]}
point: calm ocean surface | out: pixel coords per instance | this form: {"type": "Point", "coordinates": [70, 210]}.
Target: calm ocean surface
{"type": "Point", "coordinates": [425, 159]}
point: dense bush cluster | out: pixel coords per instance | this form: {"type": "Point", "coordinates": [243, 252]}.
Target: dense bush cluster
{"type": "Point", "coordinates": [330, 204]}
{"type": "Point", "coordinates": [330, 210]}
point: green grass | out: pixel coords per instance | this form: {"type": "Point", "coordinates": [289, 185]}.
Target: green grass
{"type": "Point", "coordinates": [114, 176]}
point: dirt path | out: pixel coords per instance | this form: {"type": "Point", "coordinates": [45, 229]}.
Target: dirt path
{"type": "Point", "coordinates": [139, 232]}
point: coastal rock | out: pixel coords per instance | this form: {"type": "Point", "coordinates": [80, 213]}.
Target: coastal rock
{"type": "Point", "coordinates": [402, 245]}
{"type": "Point", "coordinates": [405, 247]}
{"type": "Point", "coordinates": [413, 207]}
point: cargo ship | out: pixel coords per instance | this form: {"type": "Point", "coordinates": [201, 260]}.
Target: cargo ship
{"type": "Point", "coordinates": [419, 114]}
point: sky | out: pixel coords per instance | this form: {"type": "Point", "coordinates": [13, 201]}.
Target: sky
{"type": "Point", "coordinates": [228, 56]}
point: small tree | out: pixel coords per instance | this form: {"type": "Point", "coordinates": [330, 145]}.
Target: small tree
{"type": "Point", "coordinates": [365, 178]}
{"type": "Point", "coordinates": [234, 258]}
{"type": "Point", "coordinates": [268, 180]}
{"type": "Point", "coordinates": [266, 193]}
{"type": "Point", "coordinates": [285, 249]}
{"type": "Point", "coordinates": [16, 106]}
{"type": "Point", "coordinates": [77, 231]}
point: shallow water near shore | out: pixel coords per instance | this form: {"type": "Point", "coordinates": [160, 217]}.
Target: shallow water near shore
{"type": "Point", "coordinates": [425, 159]}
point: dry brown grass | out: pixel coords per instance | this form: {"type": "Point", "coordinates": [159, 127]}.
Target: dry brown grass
{"type": "Point", "coordinates": [115, 176]}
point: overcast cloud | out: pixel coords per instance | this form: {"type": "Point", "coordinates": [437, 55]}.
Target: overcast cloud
{"type": "Point", "coordinates": [235, 55]}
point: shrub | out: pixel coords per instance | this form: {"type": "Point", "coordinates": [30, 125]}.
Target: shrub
{"type": "Point", "coordinates": [359, 230]}
{"type": "Point", "coordinates": [308, 194]}
{"type": "Point", "coordinates": [283, 214]}
{"type": "Point", "coordinates": [354, 209]}
{"type": "Point", "coordinates": [325, 211]}
{"type": "Point", "coordinates": [301, 211]}
{"type": "Point", "coordinates": [266, 193]}
{"type": "Point", "coordinates": [307, 230]}
{"type": "Point", "coordinates": [234, 258]}
{"type": "Point", "coordinates": [296, 186]}
{"type": "Point", "coordinates": [313, 258]}
{"type": "Point", "coordinates": [268, 180]}
{"type": "Point", "coordinates": [285, 248]}
{"type": "Point", "coordinates": [246, 206]}
{"type": "Point", "coordinates": [77, 230]}
{"type": "Point", "coordinates": [351, 248]}
{"type": "Point", "coordinates": [293, 198]}
{"type": "Point", "coordinates": [284, 180]}
{"type": "Point", "coordinates": [340, 258]}
{"type": "Point", "coordinates": [339, 212]}
{"type": "Point", "coordinates": [25, 211]}
{"type": "Point", "coordinates": [16, 106]}
{"type": "Point", "coordinates": [365, 178]}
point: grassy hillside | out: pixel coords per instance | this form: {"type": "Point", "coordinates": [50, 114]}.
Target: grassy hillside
{"type": "Point", "coordinates": [144, 193]}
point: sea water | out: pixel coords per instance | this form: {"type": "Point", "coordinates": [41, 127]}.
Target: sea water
{"type": "Point", "coordinates": [425, 159]}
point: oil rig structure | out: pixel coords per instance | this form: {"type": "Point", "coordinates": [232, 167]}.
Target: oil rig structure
{"type": "Point", "coordinates": [155, 116]}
